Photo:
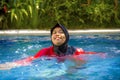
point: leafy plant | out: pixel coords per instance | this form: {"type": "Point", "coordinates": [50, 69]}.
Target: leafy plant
{"type": "Point", "coordinates": [41, 14]}
{"type": "Point", "coordinates": [100, 12]}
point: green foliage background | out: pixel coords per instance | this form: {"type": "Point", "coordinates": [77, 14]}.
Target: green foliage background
{"type": "Point", "coordinates": [43, 14]}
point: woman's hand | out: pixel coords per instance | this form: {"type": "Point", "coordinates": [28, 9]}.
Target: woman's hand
{"type": "Point", "coordinates": [8, 66]}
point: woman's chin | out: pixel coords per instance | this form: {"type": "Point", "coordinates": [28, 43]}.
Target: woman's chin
{"type": "Point", "coordinates": [58, 44]}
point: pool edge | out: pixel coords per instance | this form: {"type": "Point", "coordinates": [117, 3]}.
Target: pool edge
{"type": "Point", "coordinates": [47, 32]}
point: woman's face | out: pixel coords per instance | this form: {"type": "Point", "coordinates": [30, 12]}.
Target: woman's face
{"type": "Point", "coordinates": [58, 36]}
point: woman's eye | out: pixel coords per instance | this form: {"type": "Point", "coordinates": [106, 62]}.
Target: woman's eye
{"type": "Point", "coordinates": [54, 33]}
{"type": "Point", "coordinates": [60, 31]}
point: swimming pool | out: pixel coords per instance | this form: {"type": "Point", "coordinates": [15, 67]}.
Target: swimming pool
{"type": "Point", "coordinates": [105, 67]}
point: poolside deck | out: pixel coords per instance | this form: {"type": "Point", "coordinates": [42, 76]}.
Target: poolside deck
{"type": "Point", "coordinates": [47, 32]}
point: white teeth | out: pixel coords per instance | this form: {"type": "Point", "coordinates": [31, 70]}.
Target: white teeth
{"type": "Point", "coordinates": [57, 38]}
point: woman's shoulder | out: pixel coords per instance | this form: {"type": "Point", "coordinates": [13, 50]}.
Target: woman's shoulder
{"type": "Point", "coordinates": [46, 49]}
{"type": "Point", "coordinates": [43, 51]}
{"type": "Point", "coordinates": [78, 50]}
{"type": "Point", "coordinates": [75, 50]}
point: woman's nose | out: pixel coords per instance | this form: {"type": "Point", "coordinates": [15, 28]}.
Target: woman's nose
{"type": "Point", "coordinates": [57, 33]}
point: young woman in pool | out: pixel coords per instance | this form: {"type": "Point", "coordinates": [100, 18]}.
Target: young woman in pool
{"type": "Point", "coordinates": [59, 49]}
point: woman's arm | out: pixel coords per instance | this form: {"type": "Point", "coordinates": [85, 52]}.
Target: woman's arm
{"type": "Point", "coordinates": [23, 62]}
{"type": "Point", "coordinates": [81, 51]}
{"type": "Point", "coordinates": [10, 65]}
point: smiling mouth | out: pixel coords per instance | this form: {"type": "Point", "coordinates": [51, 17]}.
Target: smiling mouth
{"type": "Point", "coordinates": [57, 38]}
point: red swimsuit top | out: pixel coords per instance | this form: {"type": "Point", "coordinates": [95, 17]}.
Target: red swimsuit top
{"type": "Point", "coordinates": [50, 53]}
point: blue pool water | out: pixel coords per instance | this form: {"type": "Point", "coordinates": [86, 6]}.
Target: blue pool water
{"type": "Point", "coordinates": [105, 65]}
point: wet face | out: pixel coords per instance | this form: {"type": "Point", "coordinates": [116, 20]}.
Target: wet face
{"type": "Point", "coordinates": [58, 36]}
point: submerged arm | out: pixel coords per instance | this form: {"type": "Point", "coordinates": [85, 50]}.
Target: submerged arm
{"type": "Point", "coordinates": [23, 62]}
{"type": "Point", "coordinates": [10, 65]}
{"type": "Point", "coordinates": [81, 51]}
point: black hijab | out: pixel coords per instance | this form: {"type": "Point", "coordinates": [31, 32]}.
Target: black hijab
{"type": "Point", "coordinates": [61, 50]}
